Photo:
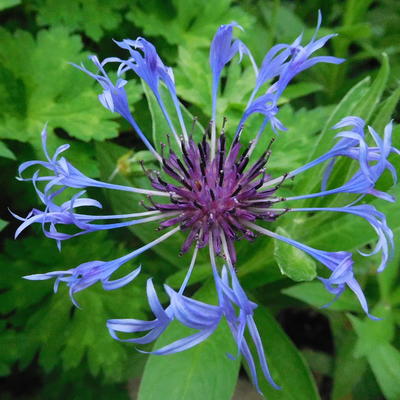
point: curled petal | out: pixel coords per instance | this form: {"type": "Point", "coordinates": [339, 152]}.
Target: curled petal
{"type": "Point", "coordinates": [376, 219]}
{"type": "Point", "coordinates": [373, 161]}
{"type": "Point", "coordinates": [231, 296]}
{"type": "Point", "coordinates": [114, 97]}
{"type": "Point", "coordinates": [339, 262]}
{"type": "Point", "coordinates": [223, 48]}
{"type": "Point", "coordinates": [191, 313]}
{"type": "Point", "coordinates": [89, 273]}
{"type": "Point", "coordinates": [147, 64]}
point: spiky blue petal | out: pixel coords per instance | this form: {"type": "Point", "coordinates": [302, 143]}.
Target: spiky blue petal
{"type": "Point", "coordinates": [89, 273]}
{"type": "Point", "coordinates": [114, 97]}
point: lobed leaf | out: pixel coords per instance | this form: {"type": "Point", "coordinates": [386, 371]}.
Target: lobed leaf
{"type": "Point", "coordinates": [37, 85]}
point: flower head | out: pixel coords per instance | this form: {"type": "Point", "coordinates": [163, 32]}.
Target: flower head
{"type": "Point", "coordinates": [215, 192]}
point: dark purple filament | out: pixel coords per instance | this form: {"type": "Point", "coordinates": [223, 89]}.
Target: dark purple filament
{"type": "Point", "coordinates": [215, 194]}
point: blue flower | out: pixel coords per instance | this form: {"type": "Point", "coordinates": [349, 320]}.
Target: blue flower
{"type": "Point", "coordinates": [114, 97]}
{"type": "Point", "coordinates": [215, 193]}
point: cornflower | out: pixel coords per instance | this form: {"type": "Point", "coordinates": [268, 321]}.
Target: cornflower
{"type": "Point", "coordinates": [214, 191]}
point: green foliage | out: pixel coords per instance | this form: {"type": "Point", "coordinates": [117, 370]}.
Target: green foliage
{"type": "Point", "coordinates": [348, 370]}
{"type": "Point", "coordinates": [36, 87]}
{"type": "Point", "coordinates": [69, 349]}
{"type": "Point", "coordinates": [385, 363]}
{"type": "Point", "coordinates": [93, 17]}
{"type": "Point", "coordinates": [49, 324]}
{"type": "Point", "coordinates": [180, 22]}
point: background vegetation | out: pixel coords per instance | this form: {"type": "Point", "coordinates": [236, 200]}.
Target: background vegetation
{"type": "Point", "coordinates": [51, 350]}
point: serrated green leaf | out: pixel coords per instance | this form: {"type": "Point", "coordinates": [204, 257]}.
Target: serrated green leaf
{"type": "Point", "coordinates": [78, 384]}
{"type": "Point", "coordinates": [90, 16]}
{"type": "Point", "coordinates": [37, 85]}
{"type": "Point", "coordinates": [50, 325]}
{"type": "Point", "coordinates": [315, 294]}
{"type": "Point", "coordinates": [180, 22]}
{"type": "Point", "coordinates": [203, 372]}
{"type": "Point", "coordinates": [286, 363]}
{"type": "Point", "coordinates": [293, 262]}
{"type": "Point", "coordinates": [193, 77]}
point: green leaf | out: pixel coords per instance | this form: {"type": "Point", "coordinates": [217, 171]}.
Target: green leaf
{"type": "Point", "coordinates": [90, 16]}
{"type": "Point", "coordinates": [370, 332]}
{"type": "Point", "coordinates": [291, 148]}
{"type": "Point", "coordinates": [6, 152]}
{"type": "Point", "coordinates": [9, 349]}
{"type": "Point", "coordinates": [355, 31]}
{"type": "Point", "coordinates": [300, 89]}
{"type": "Point", "coordinates": [8, 4]}
{"type": "Point", "coordinates": [286, 363]}
{"type": "Point", "coordinates": [386, 111]}
{"type": "Point", "coordinates": [49, 324]}
{"type": "Point", "coordinates": [387, 279]}
{"type": "Point", "coordinates": [199, 274]}
{"type": "Point", "coordinates": [37, 85]}
{"type": "Point", "coordinates": [3, 224]}
{"type": "Point", "coordinates": [384, 360]}
{"type": "Point", "coordinates": [348, 369]}
{"type": "Point", "coordinates": [315, 294]}
{"type": "Point", "coordinates": [293, 262]}
{"type": "Point", "coordinates": [368, 103]}
{"type": "Point", "coordinates": [287, 23]}
{"type": "Point", "coordinates": [193, 77]}
{"type": "Point", "coordinates": [319, 361]}
{"type": "Point", "coordinates": [203, 372]}
{"type": "Point", "coordinates": [180, 21]}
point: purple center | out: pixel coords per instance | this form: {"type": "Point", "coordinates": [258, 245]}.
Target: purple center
{"type": "Point", "coordinates": [215, 194]}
